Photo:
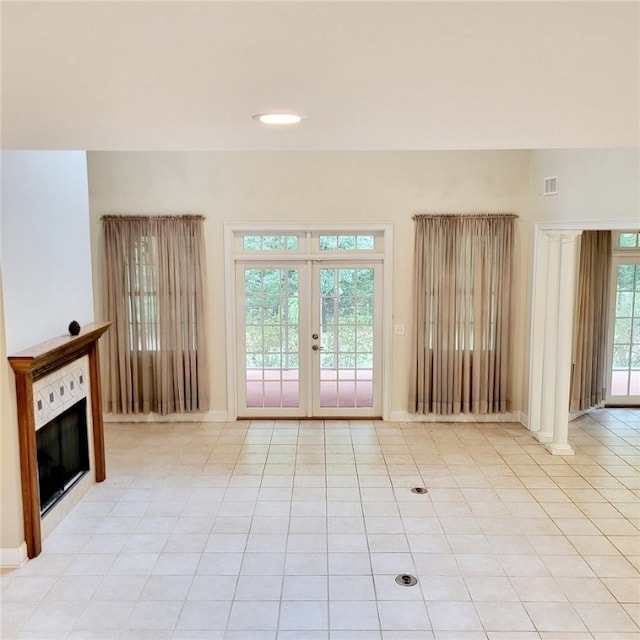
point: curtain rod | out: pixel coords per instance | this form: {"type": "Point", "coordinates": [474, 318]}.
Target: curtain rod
{"type": "Point", "coordinates": [479, 216]}
{"type": "Point", "coordinates": [152, 217]}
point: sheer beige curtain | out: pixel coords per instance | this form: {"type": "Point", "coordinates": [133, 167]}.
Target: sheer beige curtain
{"type": "Point", "coordinates": [154, 284]}
{"type": "Point", "coordinates": [462, 304]}
{"type": "Point", "coordinates": [588, 378]}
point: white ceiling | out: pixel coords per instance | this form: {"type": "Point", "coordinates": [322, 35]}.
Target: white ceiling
{"type": "Point", "coordinates": [369, 75]}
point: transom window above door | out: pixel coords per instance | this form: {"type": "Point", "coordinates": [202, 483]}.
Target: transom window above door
{"type": "Point", "coordinates": [320, 242]}
{"type": "Point", "coordinates": [252, 242]}
{"type": "Point", "coordinates": [627, 240]}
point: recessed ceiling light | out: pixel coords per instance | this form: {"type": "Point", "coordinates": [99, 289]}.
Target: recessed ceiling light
{"type": "Point", "coordinates": [278, 118]}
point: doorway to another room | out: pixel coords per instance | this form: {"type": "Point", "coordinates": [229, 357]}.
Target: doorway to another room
{"type": "Point", "coordinates": [623, 378]}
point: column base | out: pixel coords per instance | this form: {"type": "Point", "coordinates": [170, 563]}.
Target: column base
{"type": "Point", "coordinates": [560, 449]}
{"type": "Point", "coordinates": [541, 436]}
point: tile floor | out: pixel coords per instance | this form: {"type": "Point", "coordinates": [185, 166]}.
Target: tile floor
{"type": "Point", "coordinates": [296, 530]}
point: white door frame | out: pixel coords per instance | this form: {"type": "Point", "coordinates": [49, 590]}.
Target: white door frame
{"type": "Point", "coordinates": [555, 271]}
{"type": "Point", "coordinates": [232, 256]}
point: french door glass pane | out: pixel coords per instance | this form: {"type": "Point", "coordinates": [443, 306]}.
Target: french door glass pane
{"type": "Point", "coordinates": [625, 375]}
{"type": "Point", "coordinates": [346, 337]}
{"type": "Point", "coordinates": [272, 337]}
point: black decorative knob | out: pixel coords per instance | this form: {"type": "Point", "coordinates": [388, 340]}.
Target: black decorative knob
{"type": "Point", "coordinates": [74, 328]}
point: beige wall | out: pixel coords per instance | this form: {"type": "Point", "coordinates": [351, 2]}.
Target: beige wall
{"type": "Point", "coordinates": [315, 187]}
{"type": "Point", "coordinates": [594, 185]}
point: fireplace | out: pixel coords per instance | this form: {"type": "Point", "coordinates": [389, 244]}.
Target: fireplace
{"type": "Point", "coordinates": [63, 454]}
{"type": "Point", "coordinates": [60, 426]}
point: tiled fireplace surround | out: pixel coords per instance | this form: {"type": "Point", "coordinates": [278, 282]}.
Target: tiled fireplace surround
{"type": "Point", "coordinates": [51, 377]}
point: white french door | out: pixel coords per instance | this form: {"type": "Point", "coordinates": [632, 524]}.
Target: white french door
{"type": "Point", "coordinates": [346, 342]}
{"type": "Point", "coordinates": [271, 376]}
{"type": "Point", "coordinates": [308, 338]}
{"type": "Point", "coordinates": [624, 371]}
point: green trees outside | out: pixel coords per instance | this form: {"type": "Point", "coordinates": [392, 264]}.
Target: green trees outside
{"type": "Point", "coordinates": [272, 301]}
{"type": "Point", "coordinates": [626, 348]}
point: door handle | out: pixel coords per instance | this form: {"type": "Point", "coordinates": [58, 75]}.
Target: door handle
{"type": "Point", "coordinates": [316, 347]}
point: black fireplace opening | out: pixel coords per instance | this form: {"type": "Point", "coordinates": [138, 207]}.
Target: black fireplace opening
{"type": "Point", "coordinates": [63, 454]}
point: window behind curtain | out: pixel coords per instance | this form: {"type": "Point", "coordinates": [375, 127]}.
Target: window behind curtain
{"type": "Point", "coordinates": [154, 296]}
{"type": "Point", "coordinates": [461, 329]}
{"type": "Point", "coordinates": [141, 272]}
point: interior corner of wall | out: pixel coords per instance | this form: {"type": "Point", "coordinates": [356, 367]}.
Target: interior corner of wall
{"type": "Point", "coordinates": [11, 523]}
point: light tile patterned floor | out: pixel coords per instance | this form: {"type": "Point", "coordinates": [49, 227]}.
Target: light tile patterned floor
{"type": "Point", "coordinates": [296, 530]}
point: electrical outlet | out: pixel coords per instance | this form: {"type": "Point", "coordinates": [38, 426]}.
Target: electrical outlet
{"type": "Point", "coordinates": [398, 329]}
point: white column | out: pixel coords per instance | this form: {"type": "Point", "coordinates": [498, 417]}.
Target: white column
{"type": "Point", "coordinates": [565, 323]}
{"type": "Point", "coordinates": [550, 340]}
{"type": "Point", "coordinates": [538, 309]}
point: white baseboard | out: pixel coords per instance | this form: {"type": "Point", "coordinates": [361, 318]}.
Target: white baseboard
{"type": "Point", "coordinates": [574, 415]}
{"type": "Point", "coordinates": [405, 416]}
{"type": "Point", "coordinates": [204, 416]}
{"type": "Point", "coordinates": [395, 416]}
{"type": "Point", "coordinates": [13, 558]}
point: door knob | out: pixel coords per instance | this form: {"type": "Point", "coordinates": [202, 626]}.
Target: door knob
{"type": "Point", "coordinates": [315, 347]}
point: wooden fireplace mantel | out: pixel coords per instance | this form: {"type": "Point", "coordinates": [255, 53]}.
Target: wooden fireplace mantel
{"type": "Point", "coordinates": [30, 365]}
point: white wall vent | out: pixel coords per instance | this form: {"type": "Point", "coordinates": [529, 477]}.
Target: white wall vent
{"type": "Point", "coordinates": [550, 186]}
